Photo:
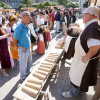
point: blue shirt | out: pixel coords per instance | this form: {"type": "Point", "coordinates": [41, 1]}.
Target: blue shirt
{"type": "Point", "coordinates": [22, 34]}
{"type": "Point", "coordinates": [57, 16]}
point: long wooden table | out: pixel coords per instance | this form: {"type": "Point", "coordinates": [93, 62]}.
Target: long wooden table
{"type": "Point", "coordinates": [31, 88]}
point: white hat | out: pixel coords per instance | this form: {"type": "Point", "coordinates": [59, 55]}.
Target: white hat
{"type": "Point", "coordinates": [92, 10]}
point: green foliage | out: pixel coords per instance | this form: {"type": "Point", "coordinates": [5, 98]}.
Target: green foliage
{"type": "Point", "coordinates": [28, 3]}
{"type": "Point", "coordinates": [72, 5]}
{"type": "Point", "coordinates": [85, 5]}
{"type": "Point", "coordinates": [40, 6]}
{"type": "Point", "coordinates": [74, 0]}
{"type": "Point", "coordinates": [22, 6]}
{"type": "Point", "coordinates": [68, 3]}
{"type": "Point", "coordinates": [34, 5]}
{"type": "Point", "coordinates": [47, 3]}
{"type": "Point", "coordinates": [63, 2]}
{"type": "Point", "coordinates": [3, 4]}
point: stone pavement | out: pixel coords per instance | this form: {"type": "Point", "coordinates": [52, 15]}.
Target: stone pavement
{"type": "Point", "coordinates": [54, 86]}
{"type": "Point", "coordinates": [8, 85]}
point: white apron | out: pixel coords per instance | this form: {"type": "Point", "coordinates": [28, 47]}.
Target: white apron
{"type": "Point", "coordinates": [68, 40]}
{"type": "Point", "coordinates": [77, 66]}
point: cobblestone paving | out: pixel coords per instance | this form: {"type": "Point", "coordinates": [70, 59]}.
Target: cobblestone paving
{"type": "Point", "coordinates": [54, 86]}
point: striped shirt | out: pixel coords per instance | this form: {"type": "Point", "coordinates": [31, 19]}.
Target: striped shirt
{"type": "Point", "coordinates": [93, 42]}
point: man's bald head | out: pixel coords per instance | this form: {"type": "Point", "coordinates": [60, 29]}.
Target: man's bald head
{"type": "Point", "coordinates": [25, 13]}
{"type": "Point", "coordinates": [25, 17]}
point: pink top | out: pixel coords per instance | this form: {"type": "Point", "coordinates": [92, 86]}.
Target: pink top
{"type": "Point", "coordinates": [52, 18]}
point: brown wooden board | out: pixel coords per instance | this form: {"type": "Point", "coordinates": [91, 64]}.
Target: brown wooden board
{"type": "Point", "coordinates": [44, 69]}
{"type": "Point", "coordinates": [39, 76]}
{"type": "Point", "coordinates": [46, 66]}
{"type": "Point", "coordinates": [51, 58]}
{"type": "Point", "coordinates": [42, 72]}
{"type": "Point", "coordinates": [33, 86]}
{"type": "Point", "coordinates": [31, 92]}
{"type": "Point", "coordinates": [35, 81]}
{"type": "Point", "coordinates": [46, 63]}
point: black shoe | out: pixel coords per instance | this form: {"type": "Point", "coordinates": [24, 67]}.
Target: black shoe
{"type": "Point", "coordinates": [22, 80]}
{"type": "Point", "coordinates": [62, 60]}
{"type": "Point", "coordinates": [27, 74]}
{"type": "Point", "coordinates": [57, 32]}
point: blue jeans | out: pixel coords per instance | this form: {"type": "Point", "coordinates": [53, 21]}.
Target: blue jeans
{"type": "Point", "coordinates": [25, 61]}
{"type": "Point", "coordinates": [61, 23]}
{"type": "Point", "coordinates": [57, 26]}
{"type": "Point", "coordinates": [74, 92]}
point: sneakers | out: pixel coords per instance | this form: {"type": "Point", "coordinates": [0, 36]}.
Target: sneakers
{"type": "Point", "coordinates": [66, 94]}
{"type": "Point", "coordinates": [6, 75]}
{"type": "Point", "coordinates": [27, 74]}
{"type": "Point", "coordinates": [22, 80]}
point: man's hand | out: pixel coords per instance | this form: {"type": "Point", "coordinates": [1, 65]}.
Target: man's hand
{"type": "Point", "coordinates": [92, 51]}
{"type": "Point", "coordinates": [9, 35]}
{"type": "Point", "coordinates": [85, 59]}
{"type": "Point", "coordinates": [15, 42]}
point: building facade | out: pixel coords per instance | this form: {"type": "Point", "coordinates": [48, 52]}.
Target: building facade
{"type": "Point", "coordinates": [15, 3]}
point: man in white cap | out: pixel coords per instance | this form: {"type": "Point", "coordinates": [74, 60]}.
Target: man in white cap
{"type": "Point", "coordinates": [83, 71]}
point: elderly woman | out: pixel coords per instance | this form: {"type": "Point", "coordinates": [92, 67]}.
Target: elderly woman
{"type": "Point", "coordinates": [4, 52]}
{"type": "Point", "coordinates": [83, 71]}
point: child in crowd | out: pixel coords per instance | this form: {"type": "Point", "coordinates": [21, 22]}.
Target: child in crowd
{"type": "Point", "coordinates": [45, 37]}
{"type": "Point", "coordinates": [41, 45]}
{"type": "Point", "coordinates": [48, 34]}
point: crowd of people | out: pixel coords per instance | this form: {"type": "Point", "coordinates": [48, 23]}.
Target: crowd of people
{"type": "Point", "coordinates": [17, 42]}
{"type": "Point", "coordinates": [39, 22]}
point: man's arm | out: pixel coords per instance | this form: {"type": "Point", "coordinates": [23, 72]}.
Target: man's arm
{"type": "Point", "coordinates": [92, 51]}
{"type": "Point", "coordinates": [15, 42]}
{"type": "Point", "coordinates": [65, 36]}
{"type": "Point", "coordinates": [36, 22]}
{"type": "Point", "coordinates": [38, 26]}
{"type": "Point", "coordinates": [16, 37]}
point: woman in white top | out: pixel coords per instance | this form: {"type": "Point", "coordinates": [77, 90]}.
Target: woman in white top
{"type": "Point", "coordinates": [46, 18]}
{"type": "Point", "coordinates": [10, 30]}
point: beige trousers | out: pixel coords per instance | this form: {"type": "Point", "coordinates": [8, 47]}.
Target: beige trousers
{"type": "Point", "coordinates": [64, 28]}
{"type": "Point", "coordinates": [51, 24]}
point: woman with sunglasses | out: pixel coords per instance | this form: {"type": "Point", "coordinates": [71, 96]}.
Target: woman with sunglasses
{"type": "Point", "coordinates": [10, 27]}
